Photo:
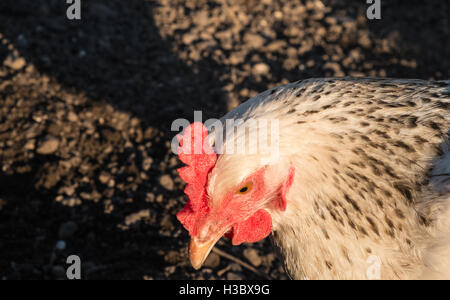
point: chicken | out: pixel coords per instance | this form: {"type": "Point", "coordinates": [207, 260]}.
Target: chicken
{"type": "Point", "coordinates": [361, 177]}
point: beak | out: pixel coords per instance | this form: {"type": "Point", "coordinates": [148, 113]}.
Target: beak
{"type": "Point", "coordinates": [198, 252]}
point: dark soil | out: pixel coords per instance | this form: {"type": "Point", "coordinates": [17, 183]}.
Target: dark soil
{"type": "Point", "coordinates": [86, 108]}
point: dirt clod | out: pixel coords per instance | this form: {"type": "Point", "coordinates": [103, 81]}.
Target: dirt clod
{"type": "Point", "coordinates": [253, 257]}
{"type": "Point", "coordinates": [48, 146]}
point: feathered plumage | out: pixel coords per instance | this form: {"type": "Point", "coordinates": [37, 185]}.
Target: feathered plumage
{"type": "Point", "coordinates": [372, 164]}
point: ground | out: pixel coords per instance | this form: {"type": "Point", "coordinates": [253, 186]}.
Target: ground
{"type": "Point", "coordinates": [86, 108]}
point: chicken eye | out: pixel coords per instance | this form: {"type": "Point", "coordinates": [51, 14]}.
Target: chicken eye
{"type": "Point", "coordinates": [245, 189]}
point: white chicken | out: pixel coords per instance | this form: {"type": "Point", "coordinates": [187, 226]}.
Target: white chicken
{"type": "Point", "coordinates": [362, 177]}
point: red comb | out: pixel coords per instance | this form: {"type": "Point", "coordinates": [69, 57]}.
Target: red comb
{"type": "Point", "coordinates": [200, 158]}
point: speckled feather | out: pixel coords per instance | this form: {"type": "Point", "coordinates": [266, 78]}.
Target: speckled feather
{"type": "Point", "coordinates": [372, 162]}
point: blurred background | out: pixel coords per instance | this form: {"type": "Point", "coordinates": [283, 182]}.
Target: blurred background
{"type": "Point", "coordinates": [86, 108]}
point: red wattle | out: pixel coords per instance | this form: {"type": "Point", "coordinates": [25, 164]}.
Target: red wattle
{"type": "Point", "coordinates": [252, 230]}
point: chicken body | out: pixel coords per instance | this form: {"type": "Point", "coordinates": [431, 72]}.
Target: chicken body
{"type": "Point", "coordinates": [371, 193]}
